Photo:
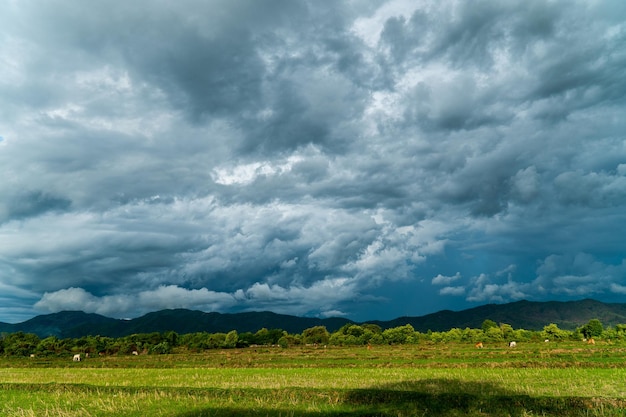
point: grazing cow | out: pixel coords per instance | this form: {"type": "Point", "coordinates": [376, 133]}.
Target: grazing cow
{"type": "Point", "coordinates": [76, 357]}
{"type": "Point", "coordinates": [512, 344]}
{"type": "Point", "coordinates": [479, 345]}
{"type": "Point", "coordinates": [32, 355]}
{"type": "Point", "coordinates": [135, 353]}
{"type": "Point", "coordinates": [547, 340]}
{"type": "Point", "coordinates": [591, 341]}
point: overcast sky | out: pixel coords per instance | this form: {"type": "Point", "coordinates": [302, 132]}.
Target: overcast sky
{"type": "Point", "coordinates": [365, 159]}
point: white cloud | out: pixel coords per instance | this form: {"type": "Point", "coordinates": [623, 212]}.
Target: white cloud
{"type": "Point", "coordinates": [579, 275]}
{"type": "Point", "coordinates": [317, 298]}
{"type": "Point", "coordinates": [445, 280]}
{"type": "Point", "coordinates": [484, 288]}
{"type": "Point", "coordinates": [618, 288]}
{"type": "Point", "coordinates": [455, 291]}
{"type": "Point", "coordinates": [248, 173]}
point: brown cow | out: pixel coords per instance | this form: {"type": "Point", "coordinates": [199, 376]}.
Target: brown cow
{"type": "Point", "coordinates": [479, 345]}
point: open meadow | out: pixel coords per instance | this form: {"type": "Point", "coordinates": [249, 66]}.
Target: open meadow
{"type": "Point", "coordinates": [532, 379]}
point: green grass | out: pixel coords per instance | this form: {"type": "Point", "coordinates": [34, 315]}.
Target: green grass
{"type": "Point", "coordinates": [429, 380]}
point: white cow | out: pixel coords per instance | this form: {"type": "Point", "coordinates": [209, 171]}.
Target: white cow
{"type": "Point", "coordinates": [512, 344]}
{"type": "Point", "coordinates": [77, 357]}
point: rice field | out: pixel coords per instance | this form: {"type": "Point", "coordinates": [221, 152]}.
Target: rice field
{"type": "Point", "coordinates": [409, 380]}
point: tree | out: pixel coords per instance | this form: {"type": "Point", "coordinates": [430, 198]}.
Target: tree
{"type": "Point", "coordinates": [316, 335]}
{"type": "Point", "coordinates": [507, 331]}
{"type": "Point", "coordinates": [267, 337]}
{"type": "Point", "coordinates": [593, 328]}
{"type": "Point", "coordinates": [374, 328]}
{"type": "Point", "coordinates": [494, 334]}
{"type": "Point", "coordinates": [552, 332]}
{"type": "Point", "coordinates": [288, 340]}
{"type": "Point", "coordinates": [354, 334]}
{"type": "Point", "coordinates": [472, 335]}
{"type": "Point", "coordinates": [400, 334]}
{"type": "Point", "coordinates": [20, 343]}
{"type": "Point", "coordinates": [171, 338]}
{"type": "Point", "coordinates": [48, 346]}
{"type": "Point", "coordinates": [231, 339]}
{"type": "Point", "coordinates": [488, 324]}
{"type": "Point", "coordinates": [453, 335]}
{"type": "Point", "coordinates": [161, 348]}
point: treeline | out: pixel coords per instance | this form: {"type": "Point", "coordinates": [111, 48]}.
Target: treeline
{"type": "Point", "coordinates": [28, 344]}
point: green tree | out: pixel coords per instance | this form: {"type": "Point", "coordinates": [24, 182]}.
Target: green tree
{"type": "Point", "coordinates": [507, 331]}
{"type": "Point", "coordinates": [453, 335]}
{"type": "Point", "coordinates": [354, 330]}
{"type": "Point", "coordinates": [48, 346]}
{"type": "Point", "coordinates": [245, 339]}
{"type": "Point", "coordinates": [472, 335]}
{"type": "Point", "coordinates": [20, 344]}
{"type": "Point", "coordinates": [161, 348]}
{"type": "Point", "coordinates": [494, 334]}
{"type": "Point", "coordinates": [354, 334]}
{"type": "Point", "coordinates": [171, 338]}
{"type": "Point", "coordinates": [267, 337]}
{"type": "Point", "coordinates": [552, 332]}
{"type": "Point", "coordinates": [593, 328]}
{"type": "Point", "coordinates": [289, 340]}
{"type": "Point", "coordinates": [488, 324]}
{"type": "Point", "coordinates": [316, 335]}
{"type": "Point", "coordinates": [231, 339]}
{"type": "Point", "coordinates": [216, 340]}
{"type": "Point", "coordinates": [523, 335]}
{"type": "Point", "coordinates": [400, 334]}
{"type": "Point", "coordinates": [374, 328]}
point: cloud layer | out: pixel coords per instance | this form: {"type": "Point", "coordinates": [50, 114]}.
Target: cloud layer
{"type": "Point", "coordinates": [365, 159]}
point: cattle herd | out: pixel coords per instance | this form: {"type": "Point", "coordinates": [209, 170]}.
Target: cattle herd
{"type": "Point", "coordinates": [513, 344]}
{"type": "Point", "coordinates": [479, 345]}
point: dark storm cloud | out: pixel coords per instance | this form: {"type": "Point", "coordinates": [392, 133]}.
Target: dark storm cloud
{"type": "Point", "coordinates": [35, 203]}
{"type": "Point", "coordinates": [368, 159]}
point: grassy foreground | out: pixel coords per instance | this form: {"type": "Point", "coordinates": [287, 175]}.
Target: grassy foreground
{"type": "Point", "coordinates": [423, 380]}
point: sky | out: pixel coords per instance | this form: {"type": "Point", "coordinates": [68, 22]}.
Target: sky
{"type": "Point", "coordinates": [361, 159]}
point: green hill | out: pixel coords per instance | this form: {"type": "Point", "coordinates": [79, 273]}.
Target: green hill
{"type": "Point", "coordinates": [521, 315]}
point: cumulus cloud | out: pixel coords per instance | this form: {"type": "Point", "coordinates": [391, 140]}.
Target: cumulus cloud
{"type": "Point", "coordinates": [486, 289]}
{"type": "Point", "coordinates": [125, 305]}
{"type": "Point", "coordinates": [444, 280]}
{"type": "Point", "coordinates": [455, 291]}
{"type": "Point", "coordinates": [317, 299]}
{"type": "Point", "coordinates": [579, 274]}
{"type": "Point", "coordinates": [234, 155]}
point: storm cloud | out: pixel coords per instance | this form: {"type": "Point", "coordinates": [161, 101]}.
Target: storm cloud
{"type": "Point", "coordinates": [364, 159]}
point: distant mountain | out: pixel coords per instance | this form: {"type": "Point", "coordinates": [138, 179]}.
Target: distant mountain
{"type": "Point", "coordinates": [528, 315]}
{"type": "Point", "coordinates": [521, 315]}
{"type": "Point", "coordinates": [74, 324]}
{"type": "Point", "coordinates": [63, 324]}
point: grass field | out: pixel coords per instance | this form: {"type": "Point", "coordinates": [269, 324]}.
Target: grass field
{"type": "Point", "coordinates": [424, 380]}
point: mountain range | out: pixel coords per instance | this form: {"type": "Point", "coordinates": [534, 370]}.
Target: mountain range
{"type": "Point", "coordinates": [527, 315]}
